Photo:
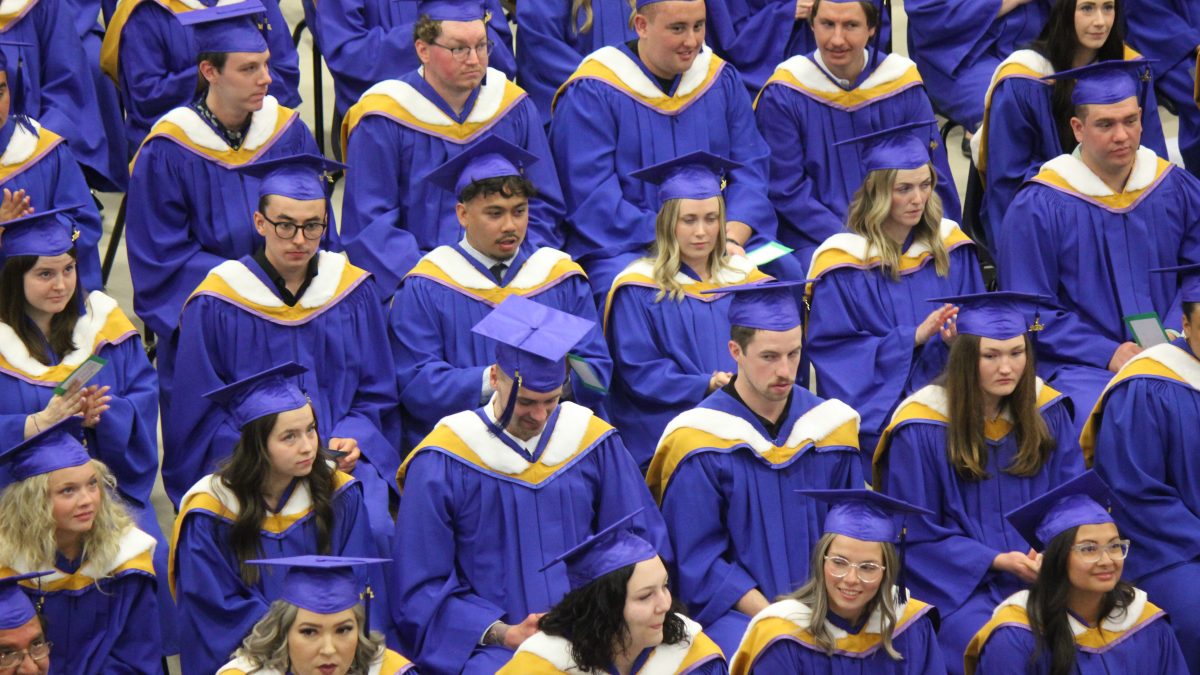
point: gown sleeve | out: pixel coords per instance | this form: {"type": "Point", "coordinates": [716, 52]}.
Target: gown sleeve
{"type": "Point", "coordinates": [546, 33]}
{"type": "Point", "coordinates": [547, 209]}
{"type": "Point", "coordinates": [71, 188]}
{"type": "Point", "coordinates": [640, 358]}
{"type": "Point", "coordinates": [138, 648]}
{"type": "Point", "coordinates": [126, 439]}
{"type": "Point", "coordinates": [153, 87]}
{"type": "Point", "coordinates": [754, 34]}
{"type": "Point", "coordinates": [951, 31]}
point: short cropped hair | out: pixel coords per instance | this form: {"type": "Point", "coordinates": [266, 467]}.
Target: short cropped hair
{"type": "Point", "coordinates": [426, 29]}
{"type": "Point", "coordinates": [742, 335]}
{"type": "Point", "coordinates": [505, 186]}
{"type": "Point", "coordinates": [868, 7]}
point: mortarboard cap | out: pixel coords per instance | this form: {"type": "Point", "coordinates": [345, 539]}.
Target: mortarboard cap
{"type": "Point", "coordinates": [56, 447]}
{"type": "Point", "coordinates": [609, 550]}
{"type": "Point", "coordinates": [451, 10]}
{"type": "Point", "coordinates": [696, 175]}
{"type": "Point", "coordinates": [1083, 500]}
{"type": "Point", "coordinates": [490, 157]}
{"type": "Point", "coordinates": [303, 177]}
{"type": "Point", "coordinates": [227, 28]}
{"type": "Point", "coordinates": [1000, 315]}
{"type": "Point", "coordinates": [865, 515]}
{"type": "Point", "coordinates": [15, 608]}
{"type": "Point", "coordinates": [1189, 284]}
{"type": "Point", "coordinates": [42, 233]}
{"type": "Point", "coordinates": [321, 584]}
{"type": "Point", "coordinates": [1105, 82]}
{"type": "Point", "coordinates": [532, 341]}
{"type": "Point", "coordinates": [769, 305]}
{"type": "Point", "coordinates": [902, 147]}
{"type": "Point", "coordinates": [268, 392]}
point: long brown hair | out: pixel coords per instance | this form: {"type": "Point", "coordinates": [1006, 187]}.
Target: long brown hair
{"type": "Point", "coordinates": [244, 473]}
{"type": "Point", "coordinates": [871, 206]}
{"type": "Point", "coordinates": [13, 306]}
{"type": "Point", "coordinates": [965, 442]}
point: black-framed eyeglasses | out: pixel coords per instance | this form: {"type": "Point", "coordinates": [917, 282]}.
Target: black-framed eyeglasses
{"type": "Point", "coordinates": [313, 229]}
{"type": "Point", "coordinates": [37, 651]}
{"type": "Point", "coordinates": [460, 53]}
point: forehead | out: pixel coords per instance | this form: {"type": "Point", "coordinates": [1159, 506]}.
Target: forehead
{"type": "Point", "coordinates": [53, 262]}
{"type": "Point", "coordinates": [855, 549]}
{"type": "Point", "coordinates": [986, 343]}
{"type": "Point", "coordinates": [917, 175]}
{"type": "Point", "coordinates": [294, 418]}
{"type": "Point", "coordinates": [783, 342]}
{"type": "Point", "coordinates": [466, 32]}
{"type": "Point", "coordinates": [1100, 532]}
{"type": "Point", "coordinates": [278, 204]}
{"type": "Point", "coordinates": [841, 11]}
{"type": "Point", "coordinates": [236, 59]}
{"type": "Point", "coordinates": [494, 199]}
{"type": "Point", "coordinates": [1118, 110]}
{"type": "Point", "coordinates": [306, 617]}
{"type": "Point", "coordinates": [647, 573]}
{"type": "Point", "coordinates": [674, 11]}
{"type": "Point", "coordinates": [73, 474]}
{"type": "Point", "coordinates": [21, 637]}
{"type": "Point", "coordinates": [538, 397]}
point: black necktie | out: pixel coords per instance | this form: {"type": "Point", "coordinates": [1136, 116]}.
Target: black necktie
{"type": "Point", "coordinates": [497, 271]}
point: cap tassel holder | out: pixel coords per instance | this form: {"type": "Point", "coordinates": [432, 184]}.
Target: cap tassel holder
{"type": "Point", "coordinates": [367, 595]}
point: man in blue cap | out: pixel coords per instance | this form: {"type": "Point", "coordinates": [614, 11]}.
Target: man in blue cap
{"type": "Point", "coordinates": [24, 649]}
{"type": "Point", "coordinates": [441, 365]}
{"type": "Point", "coordinates": [725, 472]}
{"type": "Point", "coordinates": [846, 88]}
{"type": "Point", "coordinates": [493, 493]}
{"type": "Point", "coordinates": [1089, 227]}
{"type": "Point", "coordinates": [1141, 438]}
{"type": "Point", "coordinates": [403, 127]}
{"type": "Point", "coordinates": [642, 103]}
{"type": "Point", "coordinates": [289, 301]}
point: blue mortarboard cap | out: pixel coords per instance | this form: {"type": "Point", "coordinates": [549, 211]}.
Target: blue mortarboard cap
{"type": "Point", "coordinates": [15, 608]}
{"type": "Point", "coordinates": [1189, 284]}
{"type": "Point", "coordinates": [1000, 315]}
{"type": "Point", "coordinates": [609, 550]}
{"type": "Point", "coordinates": [268, 392]}
{"type": "Point", "coordinates": [42, 233]}
{"type": "Point", "coordinates": [696, 175]}
{"type": "Point", "coordinates": [227, 28]}
{"type": "Point", "coordinates": [902, 147]}
{"type": "Point", "coordinates": [864, 514]}
{"type": "Point", "coordinates": [1083, 500]}
{"type": "Point", "coordinates": [297, 176]}
{"type": "Point", "coordinates": [532, 341]}
{"type": "Point", "coordinates": [1105, 82]}
{"type": "Point", "coordinates": [490, 157]}
{"type": "Point", "coordinates": [451, 10]}
{"type": "Point", "coordinates": [56, 447]}
{"type": "Point", "coordinates": [321, 584]}
{"type": "Point", "coordinates": [769, 305]}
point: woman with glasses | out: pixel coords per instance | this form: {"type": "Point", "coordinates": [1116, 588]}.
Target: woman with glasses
{"type": "Point", "coordinates": [852, 615]}
{"type": "Point", "coordinates": [1079, 616]}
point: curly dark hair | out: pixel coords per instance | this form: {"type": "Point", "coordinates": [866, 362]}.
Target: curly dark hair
{"type": "Point", "coordinates": [592, 618]}
{"type": "Point", "coordinates": [505, 186]}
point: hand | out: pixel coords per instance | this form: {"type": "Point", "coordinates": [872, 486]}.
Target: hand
{"type": "Point", "coordinates": [718, 380]}
{"type": "Point", "coordinates": [752, 602]}
{"type": "Point", "coordinates": [56, 410]}
{"type": "Point", "coordinates": [94, 404]}
{"type": "Point", "coordinates": [736, 235]}
{"type": "Point", "coordinates": [803, 9]}
{"type": "Point", "coordinates": [1024, 566]}
{"type": "Point", "coordinates": [935, 323]}
{"type": "Point", "coordinates": [15, 205]}
{"type": "Point", "coordinates": [1126, 351]}
{"type": "Point", "coordinates": [515, 635]}
{"type": "Point", "coordinates": [1007, 6]}
{"type": "Point", "coordinates": [350, 447]}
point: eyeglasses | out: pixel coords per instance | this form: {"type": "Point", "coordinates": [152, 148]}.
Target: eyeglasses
{"type": "Point", "coordinates": [1090, 552]}
{"type": "Point", "coordinates": [313, 229]}
{"type": "Point", "coordinates": [37, 651]}
{"type": "Point", "coordinates": [868, 572]}
{"type": "Point", "coordinates": [461, 53]}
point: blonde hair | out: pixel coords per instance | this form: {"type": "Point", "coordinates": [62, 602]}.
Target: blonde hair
{"type": "Point", "coordinates": [815, 596]}
{"type": "Point", "coordinates": [27, 526]}
{"type": "Point", "coordinates": [871, 206]}
{"type": "Point", "coordinates": [266, 647]}
{"type": "Point", "coordinates": [585, 6]}
{"type": "Point", "coordinates": [666, 257]}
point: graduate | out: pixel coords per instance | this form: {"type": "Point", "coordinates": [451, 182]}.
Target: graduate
{"type": "Point", "coordinates": [1027, 115]}
{"type": "Point", "coordinates": [494, 493]}
{"type": "Point", "coordinates": [836, 623]}
{"type": "Point", "coordinates": [60, 511]}
{"type": "Point", "coordinates": [87, 21]}
{"type": "Point", "coordinates": [1087, 230]}
{"type": "Point", "coordinates": [318, 625]}
{"type": "Point", "coordinates": [726, 472]}
{"type": "Point", "coordinates": [958, 44]}
{"type": "Point", "coordinates": [442, 367]}
{"type": "Point", "coordinates": [1140, 439]}
{"type": "Point", "coordinates": [668, 338]}
{"type": "Point", "coordinates": [642, 103]}
{"type": "Point", "coordinates": [615, 573]}
{"type": "Point", "coordinates": [22, 640]}
{"type": "Point", "coordinates": [1079, 616]}
{"type": "Point", "coordinates": [401, 128]}
{"type": "Point", "coordinates": [842, 89]}
{"type": "Point", "coordinates": [368, 41]}
{"type": "Point", "coordinates": [289, 301]}
{"type": "Point", "coordinates": [872, 338]}
{"type": "Point", "coordinates": [985, 438]}
{"type": "Point", "coordinates": [277, 496]}
{"type": "Point", "coordinates": [154, 63]}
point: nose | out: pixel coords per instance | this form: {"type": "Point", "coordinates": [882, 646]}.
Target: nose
{"type": "Point", "coordinates": [327, 647]}
{"type": "Point", "coordinates": [28, 666]}
{"type": "Point", "coordinates": [473, 56]}
{"type": "Point", "coordinates": [298, 237]}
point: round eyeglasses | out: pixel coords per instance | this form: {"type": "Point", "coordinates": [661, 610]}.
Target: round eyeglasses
{"type": "Point", "coordinates": [867, 572]}
{"type": "Point", "coordinates": [1091, 552]}
{"type": "Point", "coordinates": [313, 229]}
{"type": "Point", "coordinates": [37, 651]}
{"type": "Point", "coordinates": [482, 50]}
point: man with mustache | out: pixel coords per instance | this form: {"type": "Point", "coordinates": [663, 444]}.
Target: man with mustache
{"type": "Point", "coordinates": [441, 366]}
{"type": "Point", "coordinates": [726, 472]}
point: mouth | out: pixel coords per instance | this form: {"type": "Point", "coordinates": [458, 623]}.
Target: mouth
{"type": "Point", "coordinates": [1105, 576]}
{"type": "Point", "coordinates": [305, 462]}
{"type": "Point", "coordinates": [849, 595]}
{"type": "Point", "coordinates": [86, 515]}
{"type": "Point", "coordinates": [327, 668]}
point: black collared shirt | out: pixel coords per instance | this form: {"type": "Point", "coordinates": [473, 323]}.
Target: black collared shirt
{"type": "Point", "coordinates": [290, 299]}
{"type": "Point", "coordinates": [771, 427]}
{"type": "Point", "coordinates": [233, 137]}
{"type": "Point", "coordinates": [663, 83]}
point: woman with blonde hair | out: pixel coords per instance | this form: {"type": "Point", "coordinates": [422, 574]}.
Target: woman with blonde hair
{"type": "Point", "coordinates": [62, 513]}
{"type": "Point", "coordinates": [669, 339]}
{"type": "Point", "coordinates": [871, 336]}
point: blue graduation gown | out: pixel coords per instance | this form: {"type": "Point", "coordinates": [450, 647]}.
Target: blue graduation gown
{"type": "Point", "coordinates": [369, 41]}
{"type": "Point", "coordinates": [102, 620]}
{"type": "Point", "coordinates": [802, 112]}
{"type": "Point", "coordinates": [665, 351]}
{"type": "Point", "coordinates": [728, 494]}
{"type": "Point", "coordinates": [396, 134]}
{"type": "Point", "coordinates": [41, 164]}
{"type": "Point", "coordinates": [108, 101]}
{"type": "Point", "coordinates": [478, 520]}
{"type": "Point", "coordinates": [1093, 255]}
{"type": "Point", "coordinates": [440, 362]}
{"type": "Point", "coordinates": [611, 118]}
{"type": "Point", "coordinates": [235, 325]}
{"type": "Point", "coordinates": [1138, 641]}
{"type": "Point", "coordinates": [215, 605]}
{"type": "Point", "coordinates": [950, 555]}
{"type": "Point", "coordinates": [1018, 133]}
{"type": "Point", "coordinates": [1141, 439]}
{"type": "Point", "coordinates": [958, 49]}
{"type": "Point", "coordinates": [778, 642]}
{"type": "Point", "coordinates": [154, 63]}
{"type": "Point", "coordinates": [861, 326]}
